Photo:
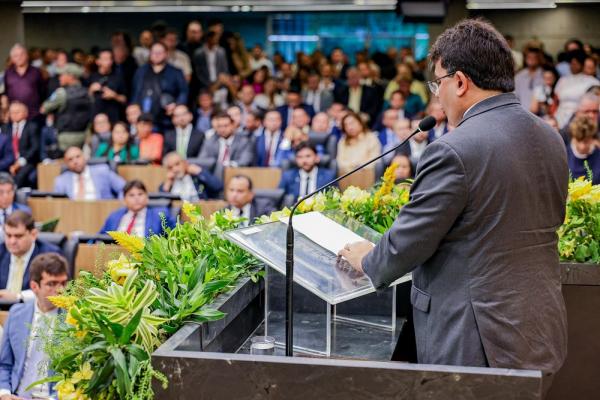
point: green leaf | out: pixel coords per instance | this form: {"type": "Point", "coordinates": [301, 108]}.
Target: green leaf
{"type": "Point", "coordinates": [101, 377]}
{"type": "Point", "coordinates": [55, 378]}
{"type": "Point", "coordinates": [121, 371]}
{"type": "Point", "coordinates": [138, 352]}
{"type": "Point", "coordinates": [131, 327]}
{"type": "Point", "coordinates": [207, 314]}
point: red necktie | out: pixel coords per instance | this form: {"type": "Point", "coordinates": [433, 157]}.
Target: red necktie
{"type": "Point", "coordinates": [15, 140]}
{"type": "Point", "coordinates": [131, 223]}
{"type": "Point", "coordinates": [226, 153]}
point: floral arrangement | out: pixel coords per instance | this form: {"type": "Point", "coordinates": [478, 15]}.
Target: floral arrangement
{"type": "Point", "coordinates": [579, 236]}
{"type": "Point", "coordinates": [112, 324]}
{"type": "Point", "coordinates": [377, 208]}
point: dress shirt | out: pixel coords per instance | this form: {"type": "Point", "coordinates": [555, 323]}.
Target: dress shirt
{"type": "Point", "coordinates": [271, 143]}
{"type": "Point", "coordinates": [203, 122]}
{"type": "Point", "coordinates": [139, 227]}
{"type": "Point", "coordinates": [186, 189]}
{"type": "Point", "coordinates": [354, 96]}
{"type": "Point", "coordinates": [313, 98]}
{"type": "Point", "coordinates": [222, 144]}
{"type": "Point", "coordinates": [88, 182]}
{"type": "Point", "coordinates": [438, 130]}
{"type": "Point", "coordinates": [416, 149]}
{"type": "Point", "coordinates": [312, 181]}
{"type": "Point", "coordinates": [36, 357]}
{"type": "Point", "coordinates": [243, 212]}
{"type": "Point", "coordinates": [182, 139]}
{"type": "Point", "coordinates": [211, 61]}
{"type": "Point", "coordinates": [27, 294]}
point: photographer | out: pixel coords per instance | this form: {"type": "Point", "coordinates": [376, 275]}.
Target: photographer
{"type": "Point", "coordinates": [107, 88]}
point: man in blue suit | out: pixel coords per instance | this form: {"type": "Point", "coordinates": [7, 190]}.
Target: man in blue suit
{"type": "Point", "coordinates": [7, 197]}
{"type": "Point", "coordinates": [136, 218]}
{"type": "Point", "coordinates": [307, 177]}
{"type": "Point", "coordinates": [20, 246]}
{"type": "Point", "coordinates": [21, 352]}
{"type": "Point", "coordinates": [293, 100]}
{"type": "Point", "coordinates": [87, 182]}
{"type": "Point", "coordinates": [268, 142]}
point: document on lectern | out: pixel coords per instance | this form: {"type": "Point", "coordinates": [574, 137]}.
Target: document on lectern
{"type": "Point", "coordinates": [318, 238]}
{"type": "Point", "coordinates": [324, 231]}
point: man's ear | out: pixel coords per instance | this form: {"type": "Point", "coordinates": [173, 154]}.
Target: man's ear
{"type": "Point", "coordinates": [34, 285]}
{"type": "Point", "coordinates": [462, 83]}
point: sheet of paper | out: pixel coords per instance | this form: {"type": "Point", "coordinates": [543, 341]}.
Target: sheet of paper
{"type": "Point", "coordinates": [327, 233]}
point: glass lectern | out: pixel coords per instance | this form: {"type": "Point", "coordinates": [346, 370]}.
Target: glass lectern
{"type": "Point", "coordinates": [329, 280]}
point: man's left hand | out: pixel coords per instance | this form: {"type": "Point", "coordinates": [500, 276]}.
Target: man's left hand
{"type": "Point", "coordinates": [355, 252]}
{"type": "Point", "coordinates": [14, 168]}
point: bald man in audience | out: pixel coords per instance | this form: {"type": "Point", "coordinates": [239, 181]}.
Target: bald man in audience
{"type": "Point", "coordinates": [87, 182]}
{"type": "Point", "coordinates": [189, 181]}
{"type": "Point", "coordinates": [242, 202]}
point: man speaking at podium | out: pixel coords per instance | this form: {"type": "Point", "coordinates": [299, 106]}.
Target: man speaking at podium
{"type": "Point", "coordinates": [479, 232]}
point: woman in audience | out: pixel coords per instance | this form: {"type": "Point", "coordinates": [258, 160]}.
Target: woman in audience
{"type": "Point", "coordinates": [100, 134]}
{"type": "Point", "coordinates": [150, 143]}
{"type": "Point", "coordinates": [136, 218]}
{"type": "Point", "coordinates": [121, 147]}
{"type": "Point", "coordinates": [583, 148]}
{"type": "Point", "coordinates": [404, 169]}
{"type": "Point", "coordinates": [357, 145]}
{"type": "Point", "coordinates": [545, 101]}
{"type": "Point", "coordinates": [270, 99]}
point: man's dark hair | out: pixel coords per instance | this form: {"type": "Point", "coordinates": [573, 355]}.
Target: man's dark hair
{"type": "Point", "coordinates": [7, 179]}
{"type": "Point", "coordinates": [246, 178]}
{"type": "Point", "coordinates": [477, 49]}
{"type": "Point", "coordinates": [51, 263]}
{"type": "Point", "coordinates": [19, 217]}
{"type": "Point", "coordinates": [147, 117]}
{"type": "Point", "coordinates": [134, 184]}
{"type": "Point", "coordinates": [578, 55]}
{"type": "Point", "coordinates": [305, 145]}
{"type": "Point", "coordinates": [223, 114]}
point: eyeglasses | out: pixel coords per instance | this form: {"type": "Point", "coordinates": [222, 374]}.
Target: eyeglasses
{"type": "Point", "coordinates": [434, 85]}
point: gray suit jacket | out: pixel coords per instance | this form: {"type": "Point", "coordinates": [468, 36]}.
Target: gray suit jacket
{"type": "Point", "coordinates": [241, 153]}
{"type": "Point", "coordinates": [200, 60]}
{"type": "Point", "coordinates": [480, 234]}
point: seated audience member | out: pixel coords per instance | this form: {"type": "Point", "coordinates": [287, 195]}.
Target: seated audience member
{"type": "Point", "coordinates": [226, 148]}
{"type": "Point", "coordinates": [397, 102]}
{"type": "Point", "coordinates": [357, 145]}
{"type": "Point", "coordinates": [253, 124]}
{"type": "Point", "coordinates": [307, 176]}
{"type": "Point", "coordinates": [360, 98]}
{"type": "Point", "coordinates": [589, 105]}
{"type": "Point", "coordinates": [22, 359]}
{"type": "Point", "coordinates": [121, 148]}
{"type": "Point", "coordinates": [132, 114]}
{"type": "Point", "coordinates": [20, 247]}
{"type": "Point", "coordinates": [191, 182]}
{"type": "Point", "coordinates": [7, 197]}
{"type": "Point", "coordinates": [101, 133]}
{"type": "Point", "coordinates": [301, 119]}
{"type": "Point", "coordinates": [583, 148]}
{"type": "Point", "coordinates": [87, 182]}
{"type": "Point", "coordinates": [441, 127]}
{"type": "Point", "coordinates": [25, 140]}
{"type": "Point", "coordinates": [205, 111]}
{"type": "Point", "coordinates": [320, 125]}
{"type": "Point", "coordinates": [404, 169]}
{"type": "Point", "coordinates": [315, 95]}
{"type": "Point", "coordinates": [150, 143]}
{"type": "Point", "coordinates": [184, 139]}
{"type": "Point", "coordinates": [387, 136]}
{"type": "Point", "coordinates": [240, 199]}
{"type": "Point", "coordinates": [270, 99]}
{"type": "Point", "coordinates": [7, 157]}
{"type": "Point", "coordinates": [293, 100]}
{"type": "Point", "coordinates": [136, 218]}
{"type": "Point", "coordinates": [268, 142]}
{"type": "Point", "coordinates": [235, 112]}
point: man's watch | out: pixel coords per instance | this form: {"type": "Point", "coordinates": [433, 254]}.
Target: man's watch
{"type": "Point", "coordinates": [20, 298]}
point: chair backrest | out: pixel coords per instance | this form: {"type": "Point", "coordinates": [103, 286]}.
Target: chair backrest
{"type": "Point", "coordinates": [262, 178]}
{"type": "Point", "coordinates": [151, 175]}
{"type": "Point", "coordinates": [275, 196]}
{"type": "Point", "coordinates": [47, 173]}
{"type": "Point", "coordinates": [68, 247]}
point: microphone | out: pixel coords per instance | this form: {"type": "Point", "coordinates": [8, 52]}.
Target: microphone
{"type": "Point", "coordinates": [425, 125]}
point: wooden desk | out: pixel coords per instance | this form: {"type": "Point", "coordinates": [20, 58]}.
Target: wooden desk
{"type": "Point", "coordinates": [75, 215]}
{"type": "Point", "coordinates": [93, 257]}
{"type": "Point", "coordinates": [151, 175]}
{"type": "Point", "coordinates": [208, 207]}
{"type": "Point", "coordinates": [363, 179]}
{"type": "Point", "coordinates": [47, 173]}
{"type": "Point", "coordinates": [262, 178]}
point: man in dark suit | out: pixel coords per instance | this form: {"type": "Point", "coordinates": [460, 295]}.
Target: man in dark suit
{"type": "Point", "coordinates": [209, 61]}
{"type": "Point", "coordinates": [359, 98]}
{"type": "Point", "coordinates": [226, 148]}
{"type": "Point", "coordinates": [307, 176]}
{"type": "Point", "coordinates": [22, 359]}
{"type": "Point", "coordinates": [241, 201]}
{"type": "Point", "coordinates": [268, 142]}
{"type": "Point", "coordinates": [191, 182]}
{"type": "Point", "coordinates": [292, 101]}
{"type": "Point", "coordinates": [479, 232]}
{"type": "Point", "coordinates": [20, 246]}
{"type": "Point", "coordinates": [7, 198]}
{"type": "Point", "coordinates": [25, 138]}
{"type": "Point", "coordinates": [184, 139]}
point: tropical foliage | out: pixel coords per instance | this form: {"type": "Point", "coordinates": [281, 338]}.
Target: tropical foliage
{"type": "Point", "coordinates": [113, 323]}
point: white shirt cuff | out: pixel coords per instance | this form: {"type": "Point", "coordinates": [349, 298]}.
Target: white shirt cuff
{"type": "Point", "coordinates": [4, 392]}
{"type": "Point", "coordinates": [28, 295]}
{"type": "Point", "coordinates": [22, 161]}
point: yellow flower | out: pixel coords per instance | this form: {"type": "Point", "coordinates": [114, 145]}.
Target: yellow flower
{"type": "Point", "coordinates": [81, 334]}
{"type": "Point", "coordinates": [65, 389]}
{"type": "Point", "coordinates": [69, 318]}
{"type": "Point", "coordinates": [131, 243]}
{"type": "Point", "coordinates": [307, 205]}
{"type": "Point", "coordinates": [63, 301]}
{"type": "Point", "coordinates": [120, 269]}
{"type": "Point", "coordinates": [191, 212]}
{"type": "Point", "coordinates": [84, 373]}
{"type": "Point", "coordinates": [579, 188]}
